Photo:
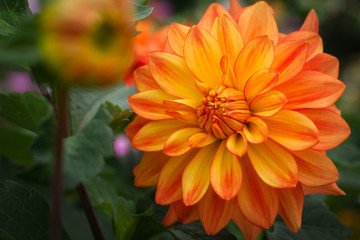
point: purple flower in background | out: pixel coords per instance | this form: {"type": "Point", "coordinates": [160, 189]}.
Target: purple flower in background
{"type": "Point", "coordinates": [34, 5]}
{"type": "Point", "coordinates": [121, 145]}
{"type": "Point", "coordinates": [19, 82]}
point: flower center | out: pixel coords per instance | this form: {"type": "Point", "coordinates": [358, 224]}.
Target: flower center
{"type": "Point", "coordinates": [223, 111]}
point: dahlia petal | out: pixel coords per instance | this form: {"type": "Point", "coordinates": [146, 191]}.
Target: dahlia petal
{"type": "Point", "coordinates": [202, 55]}
{"type": "Point", "coordinates": [199, 140]}
{"type": "Point", "coordinates": [333, 129]}
{"type": "Point", "coordinates": [172, 75]}
{"type": "Point", "coordinates": [310, 89]}
{"type": "Point", "coordinates": [149, 104]}
{"type": "Point", "coordinates": [267, 104]}
{"type": "Point", "coordinates": [176, 144]}
{"type": "Point", "coordinates": [325, 63]}
{"type": "Point", "coordinates": [147, 172]}
{"type": "Point", "coordinates": [213, 11]}
{"type": "Point", "coordinates": [291, 206]}
{"type": "Point", "coordinates": [256, 55]}
{"type": "Point", "coordinates": [255, 130]}
{"type": "Point", "coordinates": [293, 130]}
{"type": "Point", "coordinates": [185, 116]}
{"type": "Point", "coordinates": [239, 115]}
{"type": "Point", "coordinates": [331, 188]}
{"type": "Point", "coordinates": [225, 173]}
{"type": "Point", "coordinates": [274, 164]}
{"type": "Point", "coordinates": [249, 230]}
{"type": "Point", "coordinates": [235, 9]}
{"type": "Point", "coordinates": [315, 168]}
{"type": "Point", "coordinates": [143, 79]}
{"type": "Point", "coordinates": [214, 212]}
{"type": "Point", "coordinates": [185, 214]}
{"type": "Point", "coordinates": [228, 73]}
{"type": "Point", "coordinates": [183, 104]}
{"type": "Point", "coordinates": [148, 137]}
{"type": "Point", "coordinates": [176, 37]}
{"type": "Point", "coordinates": [169, 188]}
{"type": "Point", "coordinates": [311, 22]}
{"type": "Point", "coordinates": [196, 176]}
{"type": "Point", "coordinates": [234, 124]}
{"type": "Point", "coordinates": [237, 144]}
{"type": "Point", "coordinates": [289, 59]}
{"type": "Point", "coordinates": [258, 20]}
{"type": "Point", "coordinates": [261, 81]}
{"type": "Point", "coordinates": [313, 39]}
{"type": "Point", "coordinates": [170, 217]}
{"type": "Point", "coordinates": [135, 126]}
{"type": "Point", "coordinates": [228, 36]}
{"type": "Point", "coordinates": [251, 197]}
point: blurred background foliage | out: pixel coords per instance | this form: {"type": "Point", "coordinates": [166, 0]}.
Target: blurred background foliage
{"type": "Point", "coordinates": [29, 164]}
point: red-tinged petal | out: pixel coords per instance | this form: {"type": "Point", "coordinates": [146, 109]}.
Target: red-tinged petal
{"type": "Point", "coordinates": [333, 129]}
{"type": "Point", "coordinates": [235, 9]}
{"type": "Point", "coordinates": [282, 37]}
{"type": "Point", "coordinates": [149, 104]}
{"type": "Point", "coordinates": [143, 79]}
{"type": "Point", "coordinates": [256, 55]}
{"type": "Point", "coordinates": [258, 20]}
{"type": "Point", "coordinates": [199, 140]}
{"type": "Point", "coordinates": [185, 116]}
{"type": "Point", "coordinates": [261, 81]}
{"type": "Point", "coordinates": [213, 11]}
{"type": "Point", "coordinates": [313, 39]}
{"type": "Point", "coordinates": [289, 59]}
{"type": "Point", "coordinates": [228, 73]}
{"type": "Point", "coordinates": [249, 230]}
{"type": "Point", "coordinates": [214, 212]}
{"type": "Point", "coordinates": [291, 206]}
{"type": "Point", "coordinates": [331, 188]}
{"type": "Point", "coordinates": [169, 187]}
{"type": "Point", "coordinates": [257, 201]}
{"type": "Point", "coordinates": [310, 89]}
{"type": "Point", "coordinates": [153, 135]}
{"type": "Point", "coordinates": [172, 75]}
{"type": "Point", "coordinates": [176, 37]}
{"type": "Point", "coordinates": [135, 126]}
{"type": "Point", "coordinates": [237, 144]}
{"type": "Point", "coordinates": [293, 130]}
{"type": "Point", "coordinates": [274, 164]}
{"type": "Point", "coordinates": [225, 173]}
{"type": "Point", "coordinates": [228, 36]}
{"type": "Point", "coordinates": [196, 176]}
{"type": "Point", "coordinates": [176, 144]}
{"type": "Point", "coordinates": [255, 130]}
{"type": "Point", "coordinates": [170, 217]}
{"type": "Point", "coordinates": [315, 168]}
{"type": "Point", "coordinates": [185, 214]}
{"type": "Point", "coordinates": [147, 172]}
{"type": "Point", "coordinates": [311, 22]}
{"type": "Point", "coordinates": [325, 63]}
{"type": "Point", "coordinates": [202, 55]}
{"type": "Point", "coordinates": [267, 104]}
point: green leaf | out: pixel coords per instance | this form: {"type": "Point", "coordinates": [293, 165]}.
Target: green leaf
{"type": "Point", "coordinates": [125, 223]}
{"type": "Point", "coordinates": [11, 13]}
{"type": "Point", "coordinates": [120, 118]}
{"type": "Point", "coordinates": [346, 155]}
{"type": "Point", "coordinates": [317, 223]}
{"type": "Point", "coordinates": [85, 151]}
{"type": "Point", "coordinates": [142, 2]}
{"type": "Point", "coordinates": [234, 229]}
{"type": "Point", "coordinates": [15, 144]}
{"type": "Point", "coordinates": [26, 110]}
{"type": "Point", "coordinates": [143, 12]}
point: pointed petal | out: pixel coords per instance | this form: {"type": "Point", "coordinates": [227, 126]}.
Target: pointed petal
{"type": "Point", "coordinates": [313, 39]}
{"type": "Point", "coordinates": [202, 55]}
{"type": "Point", "coordinates": [228, 36]}
{"type": "Point", "coordinates": [183, 104]}
{"type": "Point", "coordinates": [261, 81]}
{"type": "Point", "coordinates": [135, 126]}
{"type": "Point", "coordinates": [169, 187]}
{"type": "Point", "coordinates": [293, 130]}
{"type": "Point", "coordinates": [325, 63]}
{"type": "Point", "coordinates": [289, 59]}
{"type": "Point", "coordinates": [185, 116]}
{"type": "Point", "coordinates": [170, 217]}
{"type": "Point", "coordinates": [333, 129]}
{"type": "Point", "coordinates": [148, 170]}
{"type": "Point", "coordinates": [213, 11]}
{"type": "Point", "coordinates": [172, 75]}
{"type": "Point", "coordinates": [315, 168]}
{"type": "Point", "coordinates": [176, 37]}
{"type": "Point", "coordinates": [199, 140]}
{"type": "Point", "coordinates": [228, 73]}
{"type": "Point", "coordinates": [237, 144]}
{"type": "Point", "coordinates": [149, 104]}
{"type": "Point", "coordinates": [257, 20]}
{"type": "Point", "coordinates": [249, 230]}
{"type": "Point", "coordinates": [225, 173]}
{"type": "Point", "coordinates": [214, 212]}
{"type": "Point", "coordinates": [256, 55]}
{"type": "Point", "coordinates": [196, 176]}
{"type": "Point", "coordinates": [185, 214]}
{"type": "Point", "coordinates": [143, 79]}
{"type": "Point", "coordinates": [331, 188]}
{"type": "Point", "coordinates": [267, 104]}
{"type": "Point", "coordinates": [291, 206]}
{"type": "Point", "coordinates": [153, 135]}
{"type": "Point", "coordinates": [274, 164]}
{"type": "Point", "coordinates": [310, 89]}
{"type": "Point", "coordinates": [255, 130]}
{"type": "Point", "coordinates": [311, 22]}
{"type": "Point", "coordinates": [176, 144]}
{"type": "Point", "coordinates": [251, 197]}
{"type": "Point", "coordinates": [235, 9]}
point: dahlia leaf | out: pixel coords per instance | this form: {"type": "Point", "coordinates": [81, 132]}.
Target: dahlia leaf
{"type": "Point", "coordinates": [121, 118]}
{"type": "Point", "coordinates": [142, 12]}
{"type": "Point", "coordinates": [11, 13]}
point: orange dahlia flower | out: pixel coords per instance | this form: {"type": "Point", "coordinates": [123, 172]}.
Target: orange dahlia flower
{"type": "Point", "coordinates": [234, 119]}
